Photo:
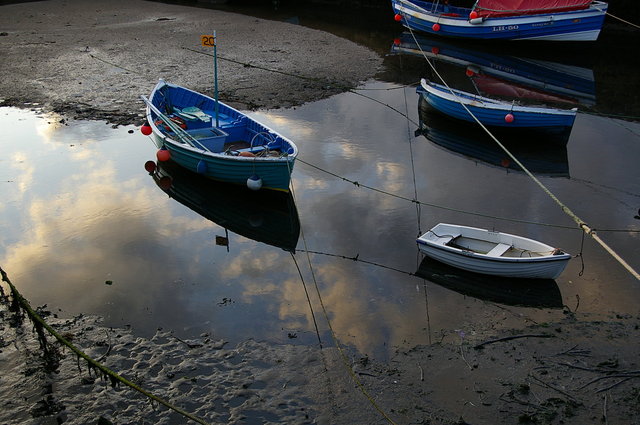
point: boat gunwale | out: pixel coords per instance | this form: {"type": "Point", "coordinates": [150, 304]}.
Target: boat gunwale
{"type": "Point", "coordinates": [468, 99]}
{"type": "Point", "coordinates": [484, 257]}
{"type": "Point", "coordinates": [285, 157]}
{"type": "Point", "coordinates": [463, 21]}
{"type": "Point", "coordinates": [435, 244]}
{"type": "Point", "coordinates": [577, 25]}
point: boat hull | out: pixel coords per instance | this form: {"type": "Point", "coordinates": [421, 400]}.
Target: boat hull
{"type": "Point", "coordinates": [578, 25]}
{"type": "Point", "coordinates": [212, 156]}
{"type": "Point", "coordinates": [539, 267]}
{"type": "Point", "coordinates": [541, 151]}
{"type": "Point", "coordinates": [493, 113]}
{"type": "Point", "coordinates": [236, 170]}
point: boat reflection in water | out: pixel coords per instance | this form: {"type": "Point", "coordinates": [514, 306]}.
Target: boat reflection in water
{"type": "Point", "coordinates": [540, 293]}
{"type": "Point", "coordinates": [494, 74]}
{"type": "Point", "coordinates": [265, 216]}
{"type": "Point", "coordinates": [542, 151]}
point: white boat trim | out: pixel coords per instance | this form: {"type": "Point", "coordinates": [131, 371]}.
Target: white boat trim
{"type": "Point", "coordinates": [478, 101]}
{"type": "Point", "coordinates": [493, 253]}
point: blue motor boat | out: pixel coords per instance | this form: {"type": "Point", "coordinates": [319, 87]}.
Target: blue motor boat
{"type": "Point", "coordinates": [543, 151]}
{"type": "Point", "coordinates": [557, 20]}
{"type": "Point", "coordinates": [460, 104]}
{"type": "Point", "coordinates": [213, 139]}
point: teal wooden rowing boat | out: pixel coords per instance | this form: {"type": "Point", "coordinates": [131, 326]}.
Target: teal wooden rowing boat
{"type": "Point", "coordinates": [213, 139]}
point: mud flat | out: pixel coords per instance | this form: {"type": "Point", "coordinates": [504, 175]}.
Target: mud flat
{"type": "Point", "coordinates": [93, 60]}
{"type": "Point", "coordinates": [576, 371]}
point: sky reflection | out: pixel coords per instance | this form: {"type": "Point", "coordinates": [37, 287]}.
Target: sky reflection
{"type": "Point", "coordinates": [79, 211]}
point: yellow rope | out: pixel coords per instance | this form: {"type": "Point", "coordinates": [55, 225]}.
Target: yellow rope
{"type": "Point", "coordinates": [622, 20]}
{"type": "Point", "coordinates": [36, 317]}
{"type": "Point", "coordinates": [581, 224]}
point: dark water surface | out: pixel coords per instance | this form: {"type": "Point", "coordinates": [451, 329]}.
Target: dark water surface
{"type": "Point", "coordinates": [85, 229]}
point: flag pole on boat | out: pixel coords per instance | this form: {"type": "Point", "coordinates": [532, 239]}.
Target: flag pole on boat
{"type": "Point", "coordinates": [210, 41]}
{"type": "Point", "coordinates": [215, 74]}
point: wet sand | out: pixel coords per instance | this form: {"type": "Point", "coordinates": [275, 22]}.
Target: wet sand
{"type": "Point", "coordinates": [92, 60]}
{"type": "Point", "coordinates": [552, 373]}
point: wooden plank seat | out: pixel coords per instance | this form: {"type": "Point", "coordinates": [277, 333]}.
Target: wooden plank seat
{"type": "Point", "coordinates": [444, 240]}
{"type": "Point", "coordinates": [498, 250]}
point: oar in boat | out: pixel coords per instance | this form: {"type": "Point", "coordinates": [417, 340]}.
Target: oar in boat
{"type": "Point", "coordinates": [179, 131]}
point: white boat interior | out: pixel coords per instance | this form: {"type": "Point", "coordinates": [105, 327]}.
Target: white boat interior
{"type": "Point", "coordinates": [489, 243]}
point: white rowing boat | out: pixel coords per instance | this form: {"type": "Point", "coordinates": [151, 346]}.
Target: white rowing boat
{"type": "Point", "coordinates": [492, 253]}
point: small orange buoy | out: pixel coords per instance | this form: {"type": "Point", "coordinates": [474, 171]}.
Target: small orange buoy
{"type": "Point", "coordinates": [435, 27]}
{"type": "Point", "coordinates": [472, 70]}
{"type": "Point", "coordinates": [509, 118]}
{"type": "Point", "coordinates": [473, 15]}
{"type": "Point", "coordinates": [435, 50]}
{"type": "Point", "coordinates": [397, 17]}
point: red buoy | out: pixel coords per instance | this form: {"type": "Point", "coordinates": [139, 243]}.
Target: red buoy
{"type": "Point", "coordinates": [469, 72]}
{"type": "Point", "coordinates": [163, 155]}
{"type": "Point", "coordinates": [435, 27]}
{"type": "Point", "coordinates": [473, 15]}
{"type": "Point", "coordinates": [509, 118]}
{"type": "Point", "coordinates": [435, 50]}
{"type": "Point", "coordinates": [145, 129]}
{"type": "Point", "coordinates": [396, 41]}
{"type": "Point", "coordinates": [150, 166]}
{"type": "Point", "coordinates": [165, 182]}
{"type": "Point", "coordinates": [398, 17]}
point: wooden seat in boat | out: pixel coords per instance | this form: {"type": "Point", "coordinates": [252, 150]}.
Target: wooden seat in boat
{"type": "Point", "coordinates": [498, 250]}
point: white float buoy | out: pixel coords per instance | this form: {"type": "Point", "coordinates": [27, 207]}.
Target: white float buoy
{"type": "Point", "coordinates": [254, 182]}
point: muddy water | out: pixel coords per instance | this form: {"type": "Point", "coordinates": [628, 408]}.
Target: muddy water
{"type": "Point", "coordinates": [86, 229]}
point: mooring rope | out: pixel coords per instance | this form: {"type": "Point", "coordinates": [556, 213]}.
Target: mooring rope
{"type": "Point", "coordinates": [306, 292]}
{"type": "Point", "coordinates": [413, 165]}
{"type": "Point", "coordinates": [581, 223]}
{"type": "Point", "coordinates": [113, 375]}
{"type": "Point", "coordinates": [618, 116]}
{"type": "Point", "coordinates": [443, 207]}
{"type": "Point", "coordinates": [343, 355]}
{"type": "Point", "coordinates": [357, 259]}
{"type": "Point", "coordinates": [622, 20]}
{"type": "Point", "coordinates": [275, 71]}
{"type": "Point", "coordinates": [354, 91]}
